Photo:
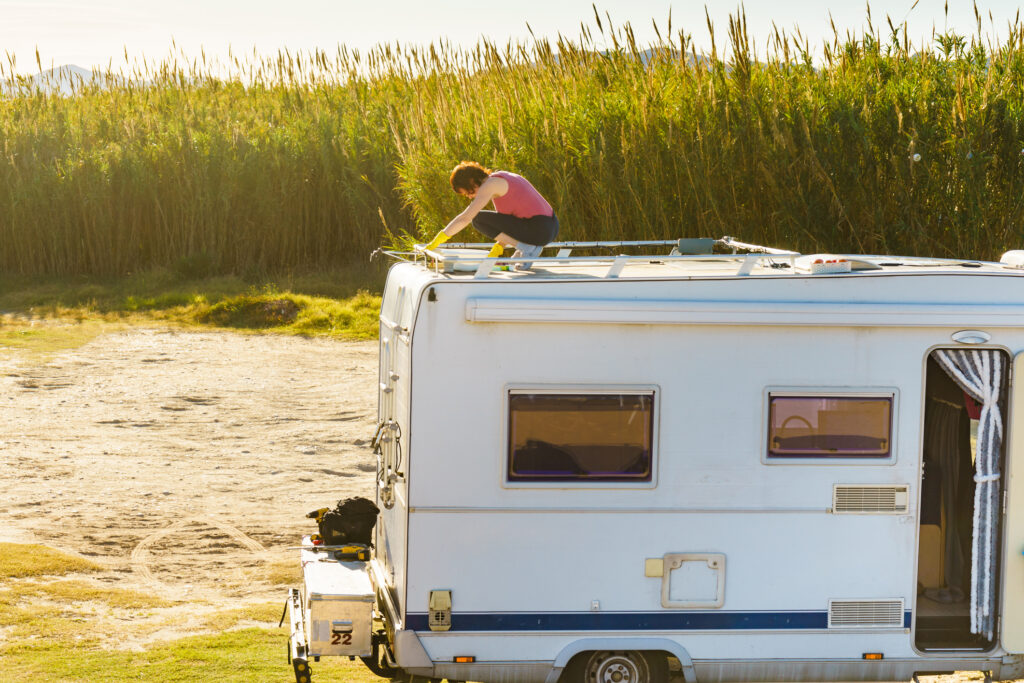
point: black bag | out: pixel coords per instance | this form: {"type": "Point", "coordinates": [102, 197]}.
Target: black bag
{"type": "Point", "coordinates": [351, 521]}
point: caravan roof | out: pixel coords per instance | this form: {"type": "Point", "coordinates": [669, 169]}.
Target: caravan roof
{"type": "Point", "coordinates": [686, 259]}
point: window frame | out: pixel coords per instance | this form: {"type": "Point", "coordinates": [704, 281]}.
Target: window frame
{"type": "Point", "coordinates": [891, 393]}
{"type": "Point", "coordinates": [652, 390]}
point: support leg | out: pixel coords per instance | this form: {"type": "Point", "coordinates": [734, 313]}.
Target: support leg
{"type": "Point", "coordinates": [298, 649]}
{"type": "Point", "coordinates": [303, 674]}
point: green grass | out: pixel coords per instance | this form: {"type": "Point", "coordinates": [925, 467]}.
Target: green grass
{"type": "Point", "coordinates": [21, 559]}
{"type": "Point", "coordinates": [47, 315]}
{"type": "Point", "coordinates": [74, 590]}
{"type": "Point", "coordinates": [62, 630]}
{"type": "Point", "coordinates": [356, 317]}
{"type": "Point", "coordinates": [252, 654]}
{"type": "Point", "coordinates": [40, 340]}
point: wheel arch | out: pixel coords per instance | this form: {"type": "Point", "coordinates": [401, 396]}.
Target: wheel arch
{"type": "Point", "coordinates": [641, 644]}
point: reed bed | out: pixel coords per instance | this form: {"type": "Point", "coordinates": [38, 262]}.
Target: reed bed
{"type": "Point", "coordinates": [305, 161]}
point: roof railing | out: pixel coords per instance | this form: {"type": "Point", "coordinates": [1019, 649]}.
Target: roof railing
{"type": "Point", "coordinates": [682, 250]}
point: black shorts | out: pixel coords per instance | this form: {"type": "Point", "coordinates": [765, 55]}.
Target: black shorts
{"type": "Point", "coordinates": [537, 230]}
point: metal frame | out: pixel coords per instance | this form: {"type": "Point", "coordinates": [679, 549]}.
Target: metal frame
{"type": "Point", "coordinates": [752, 256]}
{"type": "Point", "coordinates": [674, 561]}
{"type": "Point", "coordinates": [654, 390]}
{"type": "Point", "coordinates": [892, 393]}
{"type": "Point", "coordinates": [748, 255]}
{"type": "Point", "coordinates": [298, 641]}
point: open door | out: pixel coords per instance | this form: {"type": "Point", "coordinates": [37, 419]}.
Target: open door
{"type": "Point", "coordinates": [1012, 605]}
{"type": "Point", "coordinates": [961, 497]}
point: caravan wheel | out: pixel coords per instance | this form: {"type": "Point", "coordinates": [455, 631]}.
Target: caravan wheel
{"type": "Point", "coordinates": [617, 667]}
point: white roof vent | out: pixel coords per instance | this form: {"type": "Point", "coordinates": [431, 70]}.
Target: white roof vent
{"type": "Point", "coordinates": [1014, 259]}
{"type": "Point", "coordinates": [871, 499]}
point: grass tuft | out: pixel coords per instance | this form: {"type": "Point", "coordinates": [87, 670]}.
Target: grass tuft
{"type": "Point", "coordinates": [21, 560]}
{"type": "Point", "coordinates": [78, 591]}
{"type": "Point", "coordinates": [44, 338]}
{"type": "Point", "coordinates": [250, 312]}
{"type": "Point", "coordinates": [267, 613]}
{"type": "Point", "coordinates": [285, 312]}
{"type": "Point", "coordinates": [281, 572]}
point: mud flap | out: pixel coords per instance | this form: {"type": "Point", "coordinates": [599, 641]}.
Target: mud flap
{"type": "Point", "coordinates": [410, 654]}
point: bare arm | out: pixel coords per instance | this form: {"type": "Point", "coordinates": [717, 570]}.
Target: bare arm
{"type": "Point", "coordinates": [491, 188]}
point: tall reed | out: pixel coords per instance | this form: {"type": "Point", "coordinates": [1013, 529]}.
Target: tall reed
{"type": "Point", "coordinates": [310, 160]}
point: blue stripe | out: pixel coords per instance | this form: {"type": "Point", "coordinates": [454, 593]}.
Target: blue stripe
{"type": "Point", "coordinates": [631, 621]}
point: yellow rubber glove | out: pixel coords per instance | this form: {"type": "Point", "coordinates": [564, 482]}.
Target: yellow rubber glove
{"type": "Point", "coordinates": [497, 250]}
{"type": "Point", "coordinates": [439, 239]}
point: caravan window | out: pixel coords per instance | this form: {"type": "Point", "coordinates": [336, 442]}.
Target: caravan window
{"type": "Point", "coordinates": [829, 426]}
{"type": "Point", "coordinates": [600, 437]}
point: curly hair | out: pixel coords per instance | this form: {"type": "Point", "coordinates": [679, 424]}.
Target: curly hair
{"type": "Point", "coordinates": [468, 176]}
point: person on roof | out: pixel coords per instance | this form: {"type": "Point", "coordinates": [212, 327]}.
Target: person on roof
{"type": "Point", "coordinates": [522, 218]}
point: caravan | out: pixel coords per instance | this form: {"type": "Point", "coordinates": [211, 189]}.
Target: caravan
{"type": "Point", "coordinates": [699, 460]}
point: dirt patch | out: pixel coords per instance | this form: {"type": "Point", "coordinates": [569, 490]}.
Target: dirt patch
{"type": "Point", "coordinates": [184, 462]}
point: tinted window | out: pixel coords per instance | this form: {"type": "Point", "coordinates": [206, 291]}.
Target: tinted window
{"type": "Point", "coordinates": [830, 426]}
{"type": "Point", "coordinates": [580, 437]}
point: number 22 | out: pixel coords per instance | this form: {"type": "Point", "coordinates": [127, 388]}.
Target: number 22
{"type": "Point", "coordinates": [341, 639]}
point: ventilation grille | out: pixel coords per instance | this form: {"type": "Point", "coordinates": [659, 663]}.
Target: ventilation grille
{"type": "Point", "coordinates": [865, 613]}
{"type": "Point", "coordinates": [870, 499]}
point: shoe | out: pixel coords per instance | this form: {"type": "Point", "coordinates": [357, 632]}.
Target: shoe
{"type": "Point", "coordinates": [525, 250]}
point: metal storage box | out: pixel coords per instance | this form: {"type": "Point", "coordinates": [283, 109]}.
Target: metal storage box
{"type": "Point", "coordinates": [339, 600]}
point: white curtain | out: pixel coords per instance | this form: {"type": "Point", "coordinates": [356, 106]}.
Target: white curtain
{"type": "Point", "coordinates": [979, 372]}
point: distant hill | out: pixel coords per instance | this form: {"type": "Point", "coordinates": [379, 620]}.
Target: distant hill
{"type": "Point", "coordinates": [62, 79]}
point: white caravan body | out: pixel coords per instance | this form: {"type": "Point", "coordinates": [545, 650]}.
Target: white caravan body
{"type": "Point", "coordinates": [720, 549]}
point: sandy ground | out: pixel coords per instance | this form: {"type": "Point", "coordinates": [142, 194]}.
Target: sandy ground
{"type": "Point", "coordinates": [184, 462]}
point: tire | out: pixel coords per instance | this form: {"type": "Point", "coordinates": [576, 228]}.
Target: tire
{"type": "Point", "coordinates": [619, 666]}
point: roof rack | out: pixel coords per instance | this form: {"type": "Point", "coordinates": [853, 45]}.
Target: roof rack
{"type": "Point", "coordinates": [686, 249]}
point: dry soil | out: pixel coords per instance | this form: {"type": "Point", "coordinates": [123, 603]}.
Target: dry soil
{"type": "Point", "coordinates": [184, 462]}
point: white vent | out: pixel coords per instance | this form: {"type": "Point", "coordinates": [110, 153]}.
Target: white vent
{"type": "Point", "coordinates": [865, 613]}
{"type": "Point", "coordinates": [870, 499]}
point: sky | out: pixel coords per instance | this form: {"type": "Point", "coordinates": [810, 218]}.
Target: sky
{"type": "Point", "coordinates": [99, 32]}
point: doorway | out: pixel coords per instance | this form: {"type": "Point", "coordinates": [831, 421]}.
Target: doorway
{"type": "Point", "coordinates": [957, 575]}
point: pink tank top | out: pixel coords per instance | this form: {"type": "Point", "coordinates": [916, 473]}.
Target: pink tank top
{"type": "Point", "coordinates": [522, 199]}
